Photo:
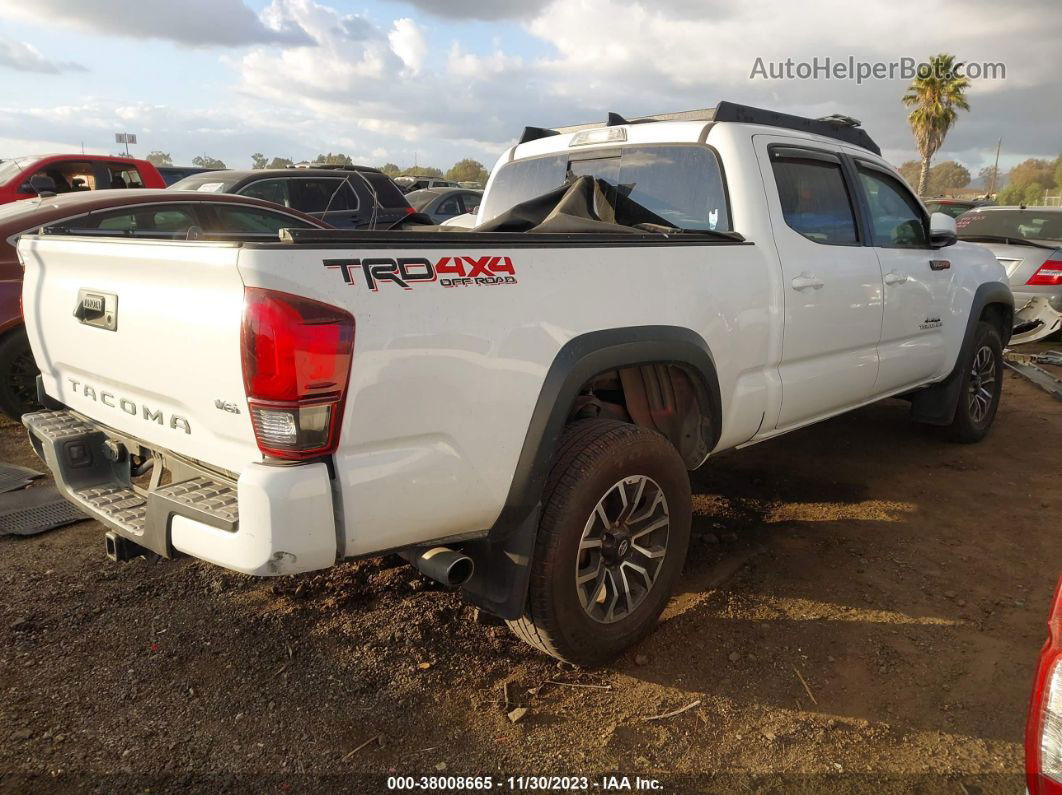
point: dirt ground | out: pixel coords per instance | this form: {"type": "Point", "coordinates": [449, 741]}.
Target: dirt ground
{"type": "Point", "coordinates": [861, 610]}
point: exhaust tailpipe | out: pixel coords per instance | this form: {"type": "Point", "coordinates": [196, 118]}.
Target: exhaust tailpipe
{"type": "Point", "coordinates": [442, 564]}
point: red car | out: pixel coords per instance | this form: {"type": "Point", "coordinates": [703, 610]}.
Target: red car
{"type": "Point", "coordinates": [75, 173]}
{"type": "Point", "coordinates": [163, 214]}
{"type": "Point", "coordinates": [1043, 728]}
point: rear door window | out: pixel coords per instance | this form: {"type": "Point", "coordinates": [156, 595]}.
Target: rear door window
{"type": "Point", "coordinates": [814, 196]}
{"type": "Point", "coordinates": [230, 219]}
{"type": "Point", "coordinates": [270, 190]}
{"type": "Point", "coordinates": [312, 195]}
{"type": "Point", "coordinates": [117, 176]}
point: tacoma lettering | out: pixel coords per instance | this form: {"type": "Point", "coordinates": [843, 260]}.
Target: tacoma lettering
{"type": "Point", "coordinates": [130, 407]}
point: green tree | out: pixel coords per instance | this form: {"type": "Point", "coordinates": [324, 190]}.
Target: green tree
{"type": "Point", "coordinates": [258, 160]}
{"type": "Point", "coordinates": [935, 96]}
{"type": "Point", "coordinates": [909, 171]}
{"type": "Point", "coordinates": [390, 169]}
{"type": "Point", "coordinates": [337, 159]}
{"type": "Point", "coordinates": [947, 176]}
{"type": "Point", "coordinates": [1033, 194]}
{"type": "Point", "coordinates": [1033, 170]}
{"type": "Point", "coordinates": [1011, 194]}
{"type": "Point", "coordinates": [1058, 172]}
{"type": "Point", "coordinates": [422, 171]}
{"type": "Point", "coordinates": [468, 170]}
{"type": "Point", "coordinates": [158, 158]}
{"type": "Point", "coordinates": [281, 162]}
{"type": "Point", "coordinates": [205, 161]}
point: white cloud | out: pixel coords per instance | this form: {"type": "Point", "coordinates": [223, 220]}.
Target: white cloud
{"type": "Point", "coordinates": [645, 57]}
{"type": "Point", "coordinates": [675, 54]}
{"type": "Point", "coordinates": [194, 22]}
{"type": "Point", "coordinates": [468, 66]}
{"type": "Point", "coordinates": [380, 88]}
{"type": "Point", "coordinates": [24, 57]}
{"type": "Point", "coordinates": [407, 42]}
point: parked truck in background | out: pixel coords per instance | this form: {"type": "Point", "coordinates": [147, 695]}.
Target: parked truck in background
{"type": "Point", "coordinates": [513, 411]}
{"type": "Point", "coordinates": [73, 173]}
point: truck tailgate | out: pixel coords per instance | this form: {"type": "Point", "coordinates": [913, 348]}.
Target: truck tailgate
{"type": "Point", "coordinates": [144, 337]}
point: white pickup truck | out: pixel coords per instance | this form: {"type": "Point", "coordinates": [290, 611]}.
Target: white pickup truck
{"type": "Point", "coordinates": [515, 408]}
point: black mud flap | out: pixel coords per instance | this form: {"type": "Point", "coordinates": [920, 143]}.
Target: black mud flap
{"type": "Point", "coordinates": [502, 569]}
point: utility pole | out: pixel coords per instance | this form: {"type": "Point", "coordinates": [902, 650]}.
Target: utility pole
{"type": "Point", "coordinates": [995, 169]}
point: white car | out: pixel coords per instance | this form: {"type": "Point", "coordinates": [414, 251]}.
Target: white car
{"type": "Point", "coordinates": [514, 408]}
{"type": "Point", "coordinates": [463, 221]}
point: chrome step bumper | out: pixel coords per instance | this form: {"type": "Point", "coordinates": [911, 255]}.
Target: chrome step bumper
{"type": "Point", "coordinates": [88, 475]}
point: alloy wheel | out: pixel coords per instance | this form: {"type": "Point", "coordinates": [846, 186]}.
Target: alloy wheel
{"type": "Point", "coordinates": [622, 549]}
{"type": "Point", "coordinates": [982, 384]}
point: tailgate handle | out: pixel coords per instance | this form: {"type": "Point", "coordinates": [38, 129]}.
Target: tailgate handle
{"type": "Point", "coordinates": [95, 308]}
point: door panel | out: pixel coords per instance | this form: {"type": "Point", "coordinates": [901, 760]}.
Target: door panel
{"type": "Point", "coordinates": [832, 283]}
{"type": "Point", "coordinates": [916, 278]}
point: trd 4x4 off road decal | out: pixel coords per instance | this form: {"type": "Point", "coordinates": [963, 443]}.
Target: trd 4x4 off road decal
{"type": "Point", "coordinates": [409, 271]}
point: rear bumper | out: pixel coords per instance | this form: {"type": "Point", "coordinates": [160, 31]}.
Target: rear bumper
{"type": "Point", "coordinates": [272, 520]}
{"type": "Point", "coordinates": [1052, 295]}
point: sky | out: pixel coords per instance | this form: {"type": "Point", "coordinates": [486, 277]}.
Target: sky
{"type": "Point", "coordinates": [434, 81]}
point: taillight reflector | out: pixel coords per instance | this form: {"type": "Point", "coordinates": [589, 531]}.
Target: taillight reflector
{"type": "Point", "coordinates": [1047, 275]}
{"type": "Point", "coordinates": [296, 357]}
{"type": "Point", "coordinates": [1043, 728]}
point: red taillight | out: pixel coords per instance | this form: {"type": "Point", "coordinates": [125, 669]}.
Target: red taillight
{"type": "Point", "coordinates": [1043, 727]}
{"type": "Point", "coordinates": [1047, 275]}
{"type": "Point", "coordinates": [296, 363]}
{"type": "Point", "coordinates": [409, 211]}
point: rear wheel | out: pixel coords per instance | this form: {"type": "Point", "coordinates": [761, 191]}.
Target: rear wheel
{"type": "Point", "coordinates": [612, 540]}
{"type": "Point", "coordinates": [982, 386]}
{"type": "Point", "coordinates": [18, 375]}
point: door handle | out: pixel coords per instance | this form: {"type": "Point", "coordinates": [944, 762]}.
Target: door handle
{"type": "Point", "coordinates": [806, 280]}
{"type": "Point", "coordinates": [895, 277]}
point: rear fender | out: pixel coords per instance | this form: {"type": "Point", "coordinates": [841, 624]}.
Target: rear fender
{"type": "Point", "coordinates": [502, 559]}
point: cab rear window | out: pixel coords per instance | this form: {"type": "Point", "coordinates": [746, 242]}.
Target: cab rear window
{"type": "Point", "coordinates": [682, 185]}
{"type": "Point", "coordinates": [1033, 223]}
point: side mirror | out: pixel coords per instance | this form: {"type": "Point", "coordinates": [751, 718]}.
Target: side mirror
{"type": "Point", "coordinates": [40, 184]}
{"type": "Point", "coordinates": [942, 231]}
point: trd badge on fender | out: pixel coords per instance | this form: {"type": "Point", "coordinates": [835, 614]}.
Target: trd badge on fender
{"type": "Point", "coordinates": [406, 272]}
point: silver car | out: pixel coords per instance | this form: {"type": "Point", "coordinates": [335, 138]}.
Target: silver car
{"type": "Point", "coordinates": [442, 204]}
{"type": "Point", "coordinates": [1027, 241]}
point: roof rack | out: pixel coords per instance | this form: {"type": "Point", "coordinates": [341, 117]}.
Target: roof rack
{"type": "Point", "coordinates": [339, 167]}
{"type": "Point", "coordinates": [837, 126]}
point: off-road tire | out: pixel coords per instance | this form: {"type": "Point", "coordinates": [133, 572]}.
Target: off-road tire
{"type": "Point", "coordinates": [592, 456]}
{"type": "Point", "coordinates": [18, 375]}
{"type": "Point", "coordinates": [967, 427]}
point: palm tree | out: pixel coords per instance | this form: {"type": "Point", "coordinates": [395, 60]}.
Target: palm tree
{"type": "Point", "coordinates": [935, 95]}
